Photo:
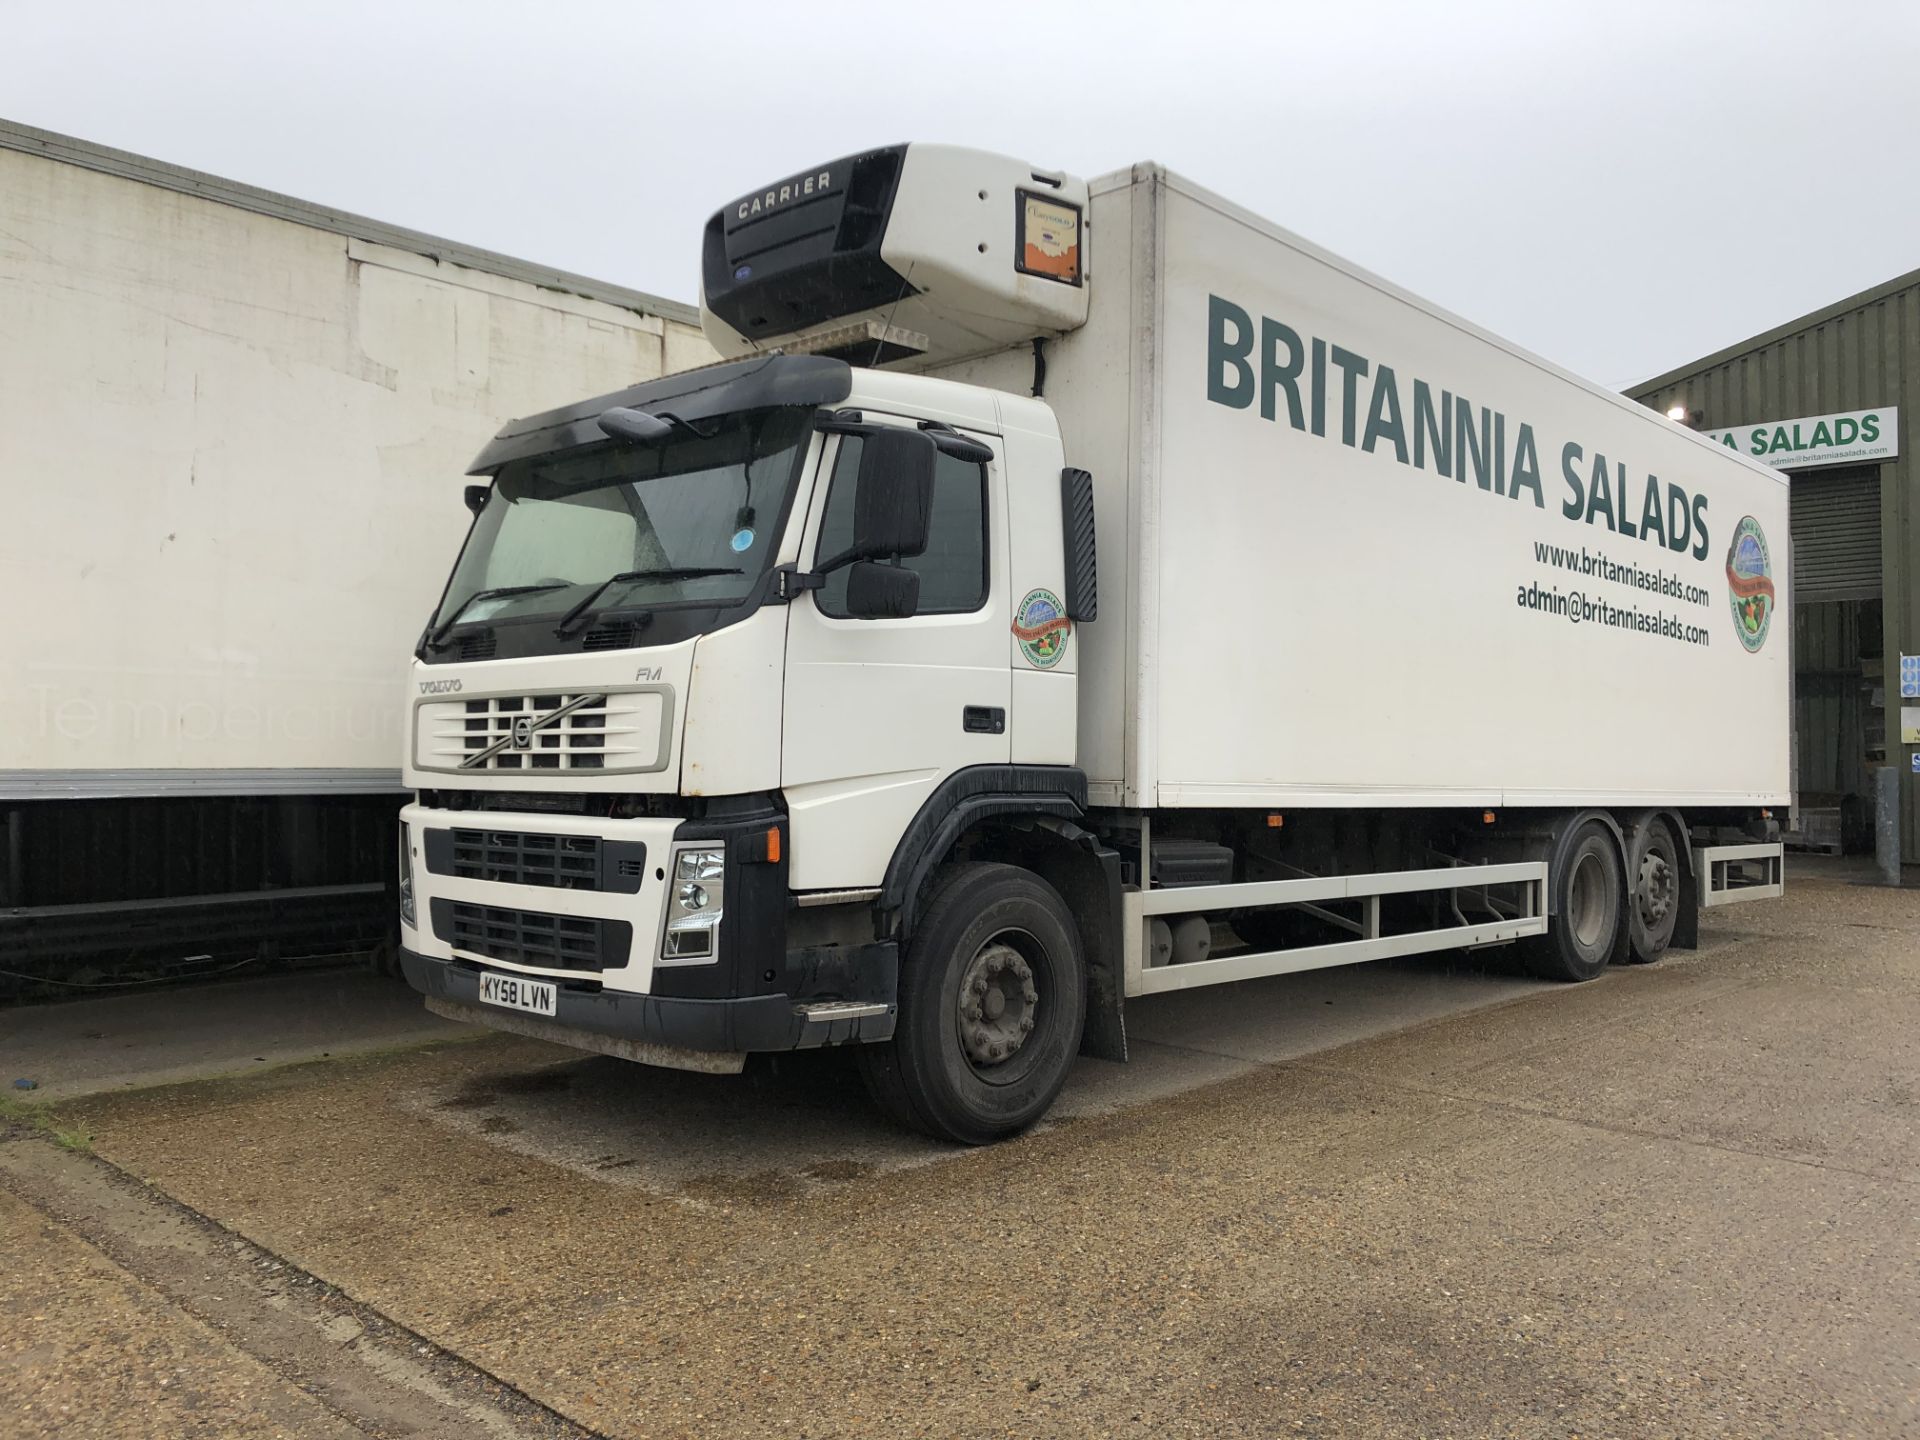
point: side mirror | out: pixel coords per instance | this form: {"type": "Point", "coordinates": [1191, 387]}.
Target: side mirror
{"type": "Point", "coordinates": [476, 497]}
{"type": "Point", "coordinates": [893, 495]}
{"type": "Point", "coordinates": [882, 592]}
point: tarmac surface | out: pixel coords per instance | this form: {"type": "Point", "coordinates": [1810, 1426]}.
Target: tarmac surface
{"type": "Point", "coordinates": [1418, 1200]}
{"type": "Point", "coordinates": [151, 1037]}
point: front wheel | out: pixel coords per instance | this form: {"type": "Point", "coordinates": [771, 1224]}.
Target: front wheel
{"type": "Point", "coordinates": [992, 1000]}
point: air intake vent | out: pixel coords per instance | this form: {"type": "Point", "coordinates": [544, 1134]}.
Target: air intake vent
{"type": "Point", "coordinates": [616, 636]}
{"type": "Point", "coordinates": [533, 937]}
{"type": "Point", "coordinates": [509, 857]}
{"type": "Point", "coordinates": [520, 857]}
{"type": "Point", "coordinates": [478, 646]}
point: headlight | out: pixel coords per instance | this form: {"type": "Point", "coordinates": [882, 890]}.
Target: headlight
{"type": "Point", "coordinates": [406, 873]}
{"type": "Point", "coordinates": [694, 903]}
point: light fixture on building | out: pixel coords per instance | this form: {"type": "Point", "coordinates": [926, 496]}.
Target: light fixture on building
{"type": "Point", "coordinates": [1678, 412]}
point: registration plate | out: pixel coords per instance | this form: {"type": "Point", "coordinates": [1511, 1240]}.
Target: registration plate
{"type": "Point", "coordinates": [512, 992]}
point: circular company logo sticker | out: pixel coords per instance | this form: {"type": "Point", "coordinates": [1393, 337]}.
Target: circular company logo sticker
{"type": "Point", "coordinates": [1041, 626]}
{"type": "Point", "coordinates": [1750, 582]}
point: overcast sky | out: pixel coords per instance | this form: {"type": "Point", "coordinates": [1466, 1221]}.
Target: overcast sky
{"type": "Point", "coordinates": [1620, 186]}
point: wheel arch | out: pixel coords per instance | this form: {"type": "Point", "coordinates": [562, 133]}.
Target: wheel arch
{"type": "Point", "coordinates": [961, 804]}
{"type": "Point", "coordinates": [1561, 828]}
{"type": "Point", "coordinates": [1024, 815]}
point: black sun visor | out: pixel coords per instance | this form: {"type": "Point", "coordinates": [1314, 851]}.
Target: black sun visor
{"type": "Point", "coordinates": [755, 384]}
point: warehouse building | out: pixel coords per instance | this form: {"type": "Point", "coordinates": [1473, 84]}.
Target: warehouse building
{"type": "Point", "coordinates": [1822, 398]}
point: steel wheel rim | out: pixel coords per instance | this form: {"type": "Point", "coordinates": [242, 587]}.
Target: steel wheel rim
{"type": "Point", "coordinates": [1587, 901]}
{"type": "Point", "coordinates": [999, 1003]}
{"type": "Point", "coordinates": [1653, 888]}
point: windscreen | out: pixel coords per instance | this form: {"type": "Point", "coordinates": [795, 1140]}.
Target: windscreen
{"type": "Point", "coordinates": [691, 518]}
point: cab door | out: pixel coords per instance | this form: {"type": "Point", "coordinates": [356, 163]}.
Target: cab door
{"type": "Point", "coordinates": [879, 712]}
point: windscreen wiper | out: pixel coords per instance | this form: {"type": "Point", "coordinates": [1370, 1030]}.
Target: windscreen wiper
{"type": "Point", "coordinates": [498, 592]}
{"type": "Point", "coordinates": [571, 620]}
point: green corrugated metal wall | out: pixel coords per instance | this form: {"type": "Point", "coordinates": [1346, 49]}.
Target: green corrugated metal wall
{"type": "Point", "coordinates": [1858, 354]}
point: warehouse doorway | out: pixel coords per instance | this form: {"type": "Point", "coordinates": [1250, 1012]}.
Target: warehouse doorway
{"type": "Point", "coordinates": [1839, 651]}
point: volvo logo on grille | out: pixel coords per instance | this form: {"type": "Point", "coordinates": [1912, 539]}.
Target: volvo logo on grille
{"type": "Point", "coordinates": [439, 687]}
{"type": "Point", "coordinates": [523, 733]}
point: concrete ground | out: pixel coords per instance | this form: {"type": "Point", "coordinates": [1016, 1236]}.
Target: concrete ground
{"type": "Point", "coordinates": [1422, 1200]}
{"type": "Point", "coordinates": [152, 1037]}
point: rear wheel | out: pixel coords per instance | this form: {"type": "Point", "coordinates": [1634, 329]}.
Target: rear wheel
{"type": "Point", "coordinates": [992, 999]}
{"type": "Point", "coordinates": [1654, 876]}
{"type": "Point", "coordinates": [1588, 913]}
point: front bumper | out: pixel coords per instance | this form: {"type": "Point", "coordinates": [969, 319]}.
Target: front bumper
{"type": "Point", "coordinates": [854, 1004]}
{"type": "Point", "coordinates": [756, 1022]}
{"type": "Point", "coordinates": [612, 993]}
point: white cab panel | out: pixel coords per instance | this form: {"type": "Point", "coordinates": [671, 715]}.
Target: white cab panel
{"type": "Point", "coordinates": [875, 709]}
{"type": "Point", "coordinates": [731, 741]}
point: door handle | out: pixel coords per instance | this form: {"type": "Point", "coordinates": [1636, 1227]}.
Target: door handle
{"type": "Point", "coordinates": [984, 720]}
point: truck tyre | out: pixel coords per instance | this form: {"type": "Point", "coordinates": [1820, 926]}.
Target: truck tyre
{"type": "Point", "coordinates": [1588, 909]}
{"type": "Point", "coordinates": [992, 999]}
{"type": "Point", "coordinates": [1655, 879]}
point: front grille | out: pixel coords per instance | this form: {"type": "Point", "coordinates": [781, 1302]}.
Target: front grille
{"type": "Point", "coordinates": [575, 741]}
{"type": "Point", "coordinates": [510, 857]}
{"type": "Point", "coordinates": [522, 857]}
{"type": "Point", "coordinates": [621, 730]}
{"type": "Point", "coordinates": [533, 937]}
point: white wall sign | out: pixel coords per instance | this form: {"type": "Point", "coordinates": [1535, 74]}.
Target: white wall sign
{"type": "Point", "coordinates": [1817, 439]}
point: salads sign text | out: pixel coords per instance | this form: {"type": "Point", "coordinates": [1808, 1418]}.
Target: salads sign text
{"type": "Point", "coordinates": [1817, 439]}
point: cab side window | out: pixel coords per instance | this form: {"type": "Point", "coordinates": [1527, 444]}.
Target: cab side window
{"type": "Point", "coordinates": [952, 569]}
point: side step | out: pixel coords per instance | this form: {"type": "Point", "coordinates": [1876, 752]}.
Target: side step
{"type": "Point", "coordinates": [1728, 874]}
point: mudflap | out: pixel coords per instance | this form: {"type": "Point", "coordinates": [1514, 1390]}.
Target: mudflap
{"type": "Point", "coordinates": [1686, 927]}
{"type": "Point", "coordinates": [1095, 896]}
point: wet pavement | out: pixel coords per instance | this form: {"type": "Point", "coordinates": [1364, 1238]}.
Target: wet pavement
{"type": "Point", "coordinates": [1425, 1200]}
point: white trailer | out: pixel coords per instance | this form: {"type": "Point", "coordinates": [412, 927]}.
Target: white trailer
{"type": "Point", "coordinates": [1397, 639]}
{"type": "Point", "coordinates": [218, 410]}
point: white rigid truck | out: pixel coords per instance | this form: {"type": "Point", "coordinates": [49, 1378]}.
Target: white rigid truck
{"type": "Point", "coordinates": [1072, 591]}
